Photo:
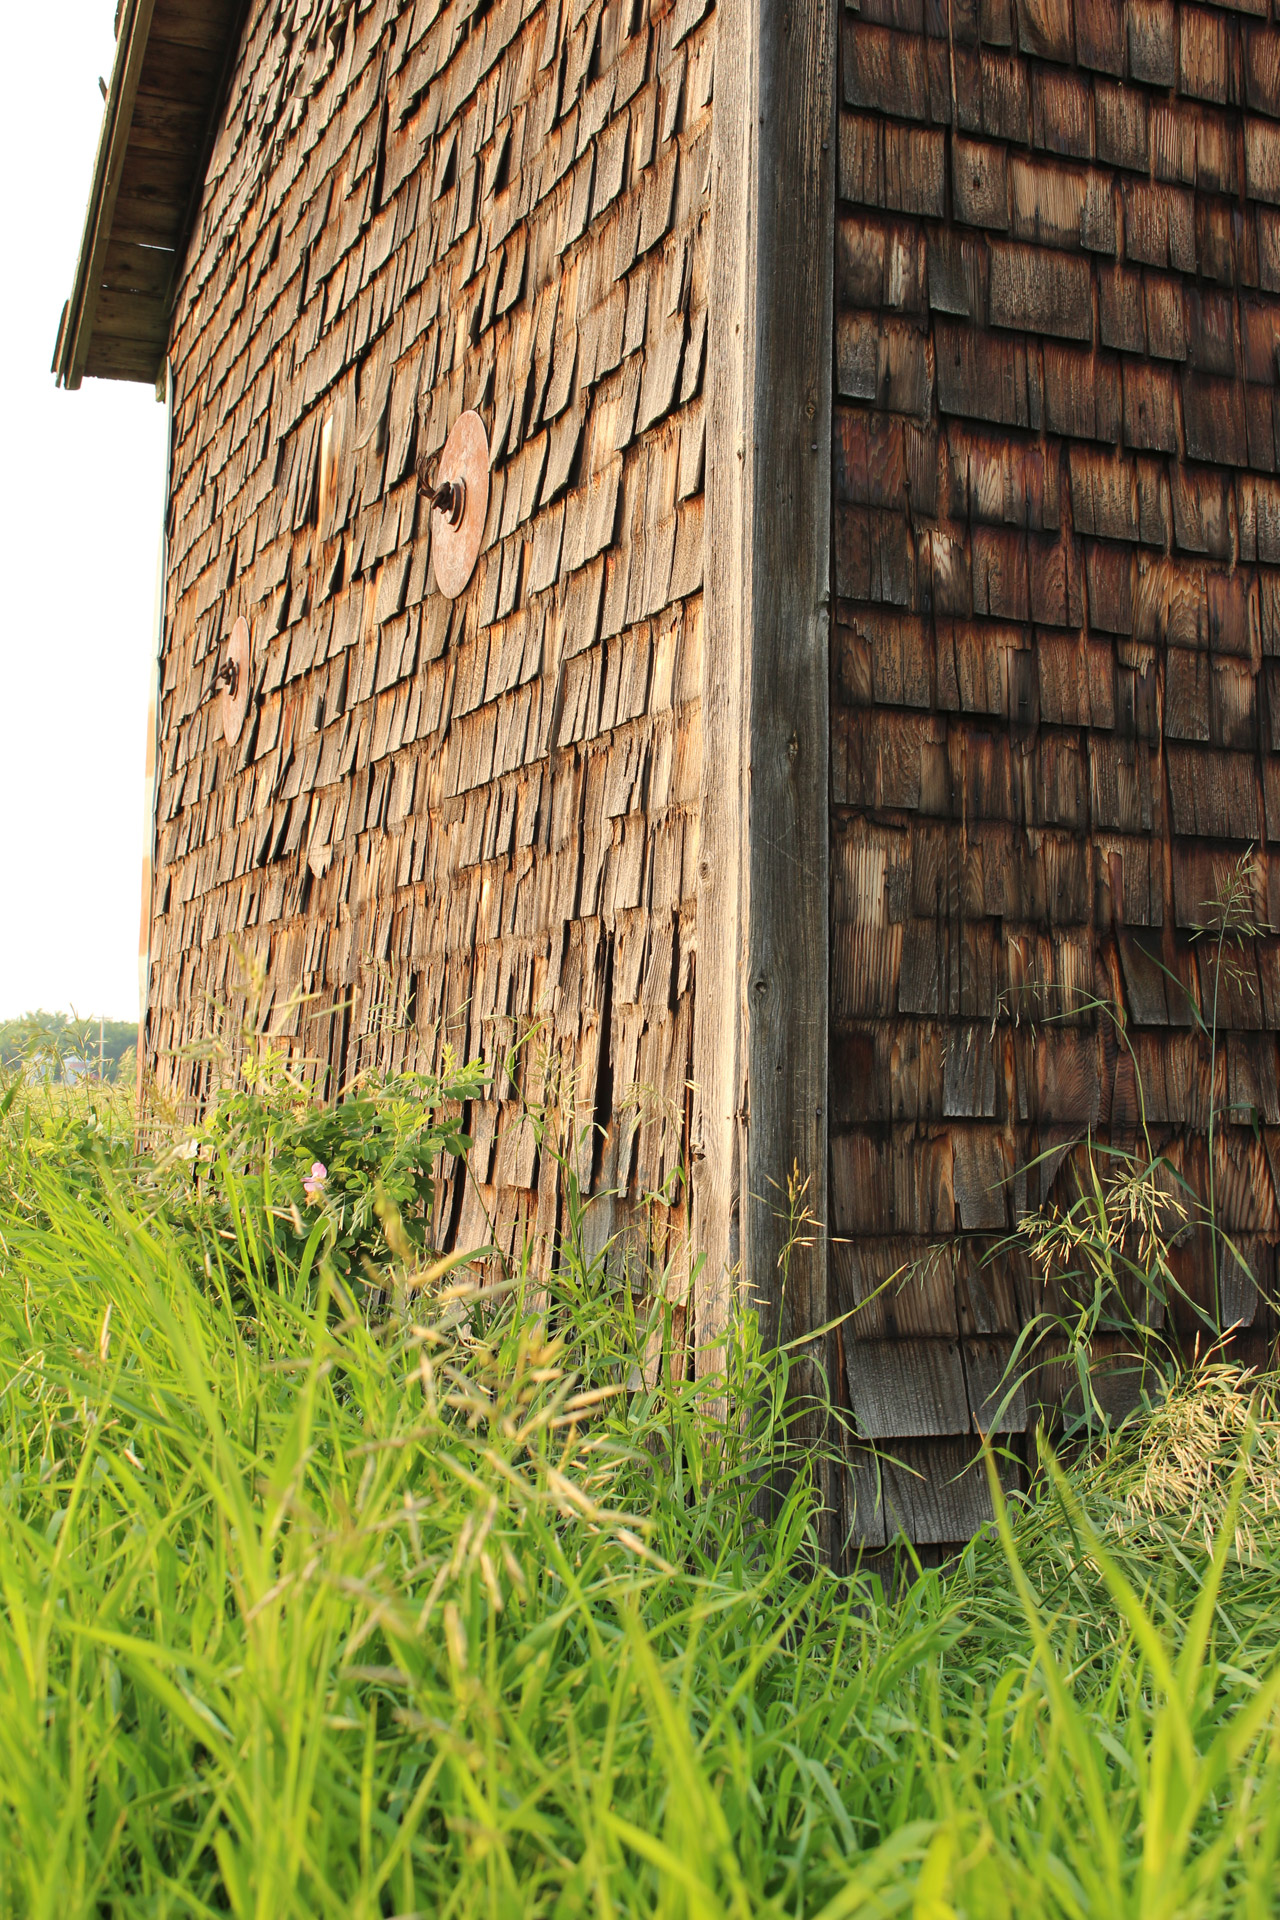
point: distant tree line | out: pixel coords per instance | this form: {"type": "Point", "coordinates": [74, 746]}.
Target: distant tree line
{"type": "Point", "coordinates": [64, 1047]}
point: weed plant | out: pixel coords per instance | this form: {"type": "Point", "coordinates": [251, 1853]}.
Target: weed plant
{"type": "Point", "coordinates": [1106, 1297]}
{"type": "Point", "coordinates": [341, 1580]}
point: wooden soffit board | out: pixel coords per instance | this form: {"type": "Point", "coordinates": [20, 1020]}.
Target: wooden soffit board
{"type": "Point", "coordinates": [167, 86]}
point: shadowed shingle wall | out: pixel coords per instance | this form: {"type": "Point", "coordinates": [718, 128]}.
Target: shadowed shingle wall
{"type": "Point", "coordinates": [1055, 702]}
{"type": "Point", "coordinates": [458, 819]}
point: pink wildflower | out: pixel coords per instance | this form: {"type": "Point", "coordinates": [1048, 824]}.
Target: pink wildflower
{"type": "Point", "coordinates": [313, 1187]}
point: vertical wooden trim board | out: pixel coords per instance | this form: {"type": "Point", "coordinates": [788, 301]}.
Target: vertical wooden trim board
{"type": "Point", "coordinates": [151, 774]}
{"type": "Point", "coordinates": [718, 1069]}
{"type": "Point", "coordinates": [761, 1046]}
{"type": "Point", "coordinates": [788, 736]}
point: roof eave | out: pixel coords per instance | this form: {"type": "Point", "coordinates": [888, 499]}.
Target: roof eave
{"type": "Point", "coordinates": [76, 329]}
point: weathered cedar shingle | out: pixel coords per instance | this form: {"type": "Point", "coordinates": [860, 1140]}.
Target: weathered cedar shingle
{"type": "Point", "coordinates": [402, 218]}
{"type": "Point", "coordinates": [1053, 724]}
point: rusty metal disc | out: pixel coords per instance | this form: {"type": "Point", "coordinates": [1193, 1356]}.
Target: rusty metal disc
{"type": "Point", "coordinates": [233, 672]}
{"type": "Point", "coordinates": [457, 525]}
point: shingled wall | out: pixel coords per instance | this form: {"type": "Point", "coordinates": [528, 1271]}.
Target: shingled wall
{"type": "Point", "coordinates": [448, 821]}
{"type": "Point", "coordinates": [1055, 666]}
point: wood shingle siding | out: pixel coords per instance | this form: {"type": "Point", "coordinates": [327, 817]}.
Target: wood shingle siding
{"type": "Point", "coordinates": [870, 674]}
{"type": "Point", "coordinates": [467, 823]}
{"type": "Point", "coordinates": [1054, 449]}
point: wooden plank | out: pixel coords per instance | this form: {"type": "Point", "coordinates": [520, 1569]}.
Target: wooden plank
{"type": "Point", "coordinates": [144, 222]}
{"type": "Point", "coordinates": [165, 125]}
{"type": "Point", "coordinates": [139, 319]}
{"type": "Point", "coordinates": [718, 1068]}
{"type": "Point", "coordinates": [932, 1491]}
{"type": "Point", "coordinates": [787, 960]}
{"type": "Point", "coordinates": [151, 786]}
{"type": "Point", "coordinates": [936, 1491]}
{"type": "Point", "coordinates": [181, 73]}
{"type": "Point", "coordinates": [906, 1388]}
{"type": "Point", "coordinates": [145, 270]}
{"type": "Point", "coordinates": [195, 23]}
{"type": "Point", "coordinates": [893, 1288]}
{"type": "Point", "coordinates": [160, 176]}
{"type": "Point", "coordinates": [111, 359]}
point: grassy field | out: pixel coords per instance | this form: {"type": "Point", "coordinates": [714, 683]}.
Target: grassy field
{"type": "Point", "coordinates": [333, 1585]}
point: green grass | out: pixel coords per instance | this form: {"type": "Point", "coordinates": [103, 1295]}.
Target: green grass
{"type": "Point", "coordinates": [320, 1600]}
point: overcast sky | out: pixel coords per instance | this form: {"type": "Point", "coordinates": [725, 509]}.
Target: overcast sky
{"type": "Point", "coordinates": [81, 488]}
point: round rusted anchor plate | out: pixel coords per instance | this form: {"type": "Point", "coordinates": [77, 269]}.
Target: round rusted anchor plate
{"type": "Point", "coordinates": [233, 703]}
{"type": "Point", "coordinates": [457, 526]}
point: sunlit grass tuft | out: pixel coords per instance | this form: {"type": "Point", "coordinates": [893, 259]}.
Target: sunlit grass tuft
{"type": "Point", "coordinates": [336, 1583]}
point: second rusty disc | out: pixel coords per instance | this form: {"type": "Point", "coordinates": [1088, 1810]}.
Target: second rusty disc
{"type": "Point", "coordinates": [455, 539]}
{"type": "Point", "coordinates": [234, 701]}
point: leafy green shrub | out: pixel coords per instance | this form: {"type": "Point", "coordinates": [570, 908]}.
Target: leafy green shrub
{"type": "Point", "coordinates": [327, 1177]}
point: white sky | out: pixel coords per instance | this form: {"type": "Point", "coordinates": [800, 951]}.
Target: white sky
{"type": "Point", "coordinates": [81, 495]}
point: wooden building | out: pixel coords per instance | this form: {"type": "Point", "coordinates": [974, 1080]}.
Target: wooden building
{"type": "Point", "coordinates": [865, 680]}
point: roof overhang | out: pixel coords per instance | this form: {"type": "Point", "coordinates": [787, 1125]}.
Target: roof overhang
{"type": "Point", "coordinates": [173, 58]}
